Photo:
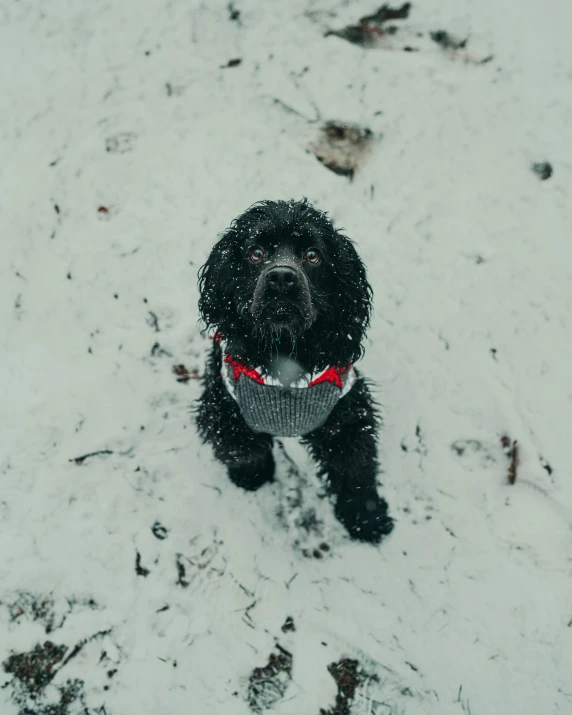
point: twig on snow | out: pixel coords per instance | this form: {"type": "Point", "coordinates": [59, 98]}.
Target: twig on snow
{"type": "Point", "coordinates": [81, 460]}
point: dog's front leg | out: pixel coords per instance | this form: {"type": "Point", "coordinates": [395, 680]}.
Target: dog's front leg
{"type": "Point", "coordinates": [247, 456]}
{"type": "Point", "coordinates": [346, 451]}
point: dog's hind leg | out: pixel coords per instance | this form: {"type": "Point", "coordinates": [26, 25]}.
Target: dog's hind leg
{"type": "Point", "coordinates": [345, 448]}
{"type": "Point", "coordinates": [247, 455]}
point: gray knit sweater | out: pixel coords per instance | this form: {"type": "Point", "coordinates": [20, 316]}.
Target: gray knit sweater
{"type": "Point", "coordinates": [285, 411]}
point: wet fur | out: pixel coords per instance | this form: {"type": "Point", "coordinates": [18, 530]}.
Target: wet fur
{"type": "Point", "coordinates": [345, 447]}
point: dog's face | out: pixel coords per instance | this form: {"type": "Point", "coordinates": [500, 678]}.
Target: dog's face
{"type": "Point", "coordinates": [282, 272]}
{"type": "Point", "coordinates": [289, 276]}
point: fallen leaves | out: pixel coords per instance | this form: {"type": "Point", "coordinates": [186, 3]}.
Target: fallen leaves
{"type": "Point", "coordinates": [371, 27]}
{"type": "Point", "coordinates": [267, 685]}
{"type": "Point", "coordinates": [543, 170]}
{"type": "Point", "coordinates": [511, 450]}
{"type": "Point", "coordinates": [184, 375]}
{"type": "Point", "coordinates": [232, 63]}
{"type": "Point", "coordinates": [341, 147]}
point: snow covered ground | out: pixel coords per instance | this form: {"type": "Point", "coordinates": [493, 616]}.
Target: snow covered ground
{"type": "Point", "coordinates": [139, 580]}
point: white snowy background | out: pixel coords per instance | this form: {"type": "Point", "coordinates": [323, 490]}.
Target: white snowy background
{"type": "Point", "coordinates": [467, 606]}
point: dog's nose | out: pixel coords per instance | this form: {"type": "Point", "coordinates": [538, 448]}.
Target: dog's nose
{"type": "Point", "coordinates": [281, 279]}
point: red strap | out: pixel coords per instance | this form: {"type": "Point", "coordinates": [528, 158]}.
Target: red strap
{"type": "Point", "coordinates": [239, 369]}
{"type": "Point", "coordinates": [333, 375]}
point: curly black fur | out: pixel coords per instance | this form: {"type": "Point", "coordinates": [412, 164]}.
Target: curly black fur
{"type": "Point", "coordinates": [326, 319]}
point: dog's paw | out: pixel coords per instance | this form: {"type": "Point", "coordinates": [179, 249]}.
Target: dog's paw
{"type": "Point", "coordinates": [365, 520]}
{"type": "Point", "coordinates": [252, 476]}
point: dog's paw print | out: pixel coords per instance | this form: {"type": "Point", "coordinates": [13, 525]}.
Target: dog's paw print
{"type": "Point", "coordinates": [203, 563]}
{"type": "Point", "coordinates": [473, 452]}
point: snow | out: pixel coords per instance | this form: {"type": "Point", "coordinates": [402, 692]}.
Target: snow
{"type": "Point", "coordinates": [126, 147]}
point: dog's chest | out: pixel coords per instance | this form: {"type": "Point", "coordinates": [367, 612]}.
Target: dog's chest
{"type": "Point", "coordinates": [285, 411]}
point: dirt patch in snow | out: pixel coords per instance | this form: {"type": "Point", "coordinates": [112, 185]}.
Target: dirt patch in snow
{"type": "Point", "coordinates": [379, 30]}
{"type": "Point", "coordinates": [371, 28]}
{"type": "Point", "coordinates": [349, 677]}
{"type": "Point", "coordinates": [33, 672]}
{"type": "Point", "coordinates": [342, 148]}
{"type": "Point", "coordinates": [267, 685]}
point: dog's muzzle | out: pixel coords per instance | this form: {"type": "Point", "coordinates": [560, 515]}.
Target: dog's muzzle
{"type": "Point", "coordinates": [282, 295]}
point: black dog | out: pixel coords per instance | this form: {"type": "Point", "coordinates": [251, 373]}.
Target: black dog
{"type": "Point", "coordinates": [289, 300]}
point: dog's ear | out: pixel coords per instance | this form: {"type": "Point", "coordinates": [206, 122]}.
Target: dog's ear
{"type": "Point", "coordinates": [217, 285]}
{"type": "Point", "coordinates": [351, 301]}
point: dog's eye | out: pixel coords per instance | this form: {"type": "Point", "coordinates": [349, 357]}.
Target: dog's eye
{"type": "Point", "coordinates": [312, 256]}
{"type": "Point", "coordinates": [256, 254]}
